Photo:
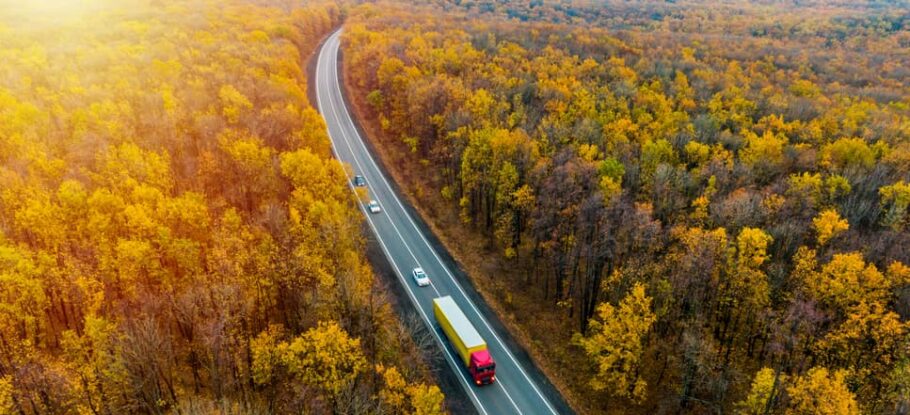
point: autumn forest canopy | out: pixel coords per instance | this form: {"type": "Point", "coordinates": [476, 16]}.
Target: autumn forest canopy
{"type": "Point", "coordinates": [711, 199]}
{"type": "Point", "coordinates": [675, 206]}
{"type": "Point", "coordinates": [174, 234]}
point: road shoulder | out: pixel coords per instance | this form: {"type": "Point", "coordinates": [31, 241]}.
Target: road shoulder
{"type": "Point", "coordinates": [457, 401]}
{"type": "Point", "coordinates": [519, 351]}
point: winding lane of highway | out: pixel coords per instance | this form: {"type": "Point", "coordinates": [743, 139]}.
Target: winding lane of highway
{"type": "Point", "coordinates": [404, 244]}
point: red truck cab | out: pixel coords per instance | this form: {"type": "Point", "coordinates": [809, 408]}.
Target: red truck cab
{"type": "Point", "coordinates": [483, 368]}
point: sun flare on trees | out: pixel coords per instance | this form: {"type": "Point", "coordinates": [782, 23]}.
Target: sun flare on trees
{"type": "Point", "coordinates": [173, 227]}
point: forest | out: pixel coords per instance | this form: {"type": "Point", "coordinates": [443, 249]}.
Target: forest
{"type": "Point", "coordinates": [174, 234]}
{"type": "Point", "coordinates": [677, 207]}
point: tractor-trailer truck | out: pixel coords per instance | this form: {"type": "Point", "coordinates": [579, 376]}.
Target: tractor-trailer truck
{"type": "Point", "coordinates": [467, 341]}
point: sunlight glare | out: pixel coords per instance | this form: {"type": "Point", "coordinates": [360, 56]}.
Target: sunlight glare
{"type": "Point", "coordinates": [18, 12]}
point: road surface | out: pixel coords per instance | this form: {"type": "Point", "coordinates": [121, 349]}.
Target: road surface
{"type": "Point", "coordinates": [406, 247]}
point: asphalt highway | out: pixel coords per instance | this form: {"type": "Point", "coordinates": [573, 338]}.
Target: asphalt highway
{"type": "Point", "coordinates": [406, 247]}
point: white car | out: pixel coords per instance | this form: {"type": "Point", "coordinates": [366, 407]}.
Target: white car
{"type": "Point", "coordinates": [420, 277]}
{"type": "Point", "coordinates": [374, 207]}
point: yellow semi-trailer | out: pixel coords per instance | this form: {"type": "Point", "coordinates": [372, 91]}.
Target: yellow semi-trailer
{"type": "Point", "coordinates": [467, 341]}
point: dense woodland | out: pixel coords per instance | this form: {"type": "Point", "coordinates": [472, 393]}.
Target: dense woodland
{"type": "Point", "coordinates": [711, 199]}
{"type": "Point", "coordinates": [174, 234]}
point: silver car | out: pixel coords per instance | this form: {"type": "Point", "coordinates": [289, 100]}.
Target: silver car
{"type": "Point", "coordinates": [420, 277]}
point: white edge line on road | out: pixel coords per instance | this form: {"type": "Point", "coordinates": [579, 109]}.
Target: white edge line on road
{"type": "Point", "coordinates": [401, 277]}
{"type": "Point", "coordinates": [433, 251]}
{"type": "Point", "coordinates": [347, 141]}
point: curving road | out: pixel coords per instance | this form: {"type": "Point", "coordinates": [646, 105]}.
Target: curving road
{"type": "Point", "coordinates": [406, 247]}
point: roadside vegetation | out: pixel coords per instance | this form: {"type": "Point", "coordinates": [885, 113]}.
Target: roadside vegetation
{"type": "Point", "coordinates": [174, 234]}
{"type": "Point", "coordinates": [676, 207]}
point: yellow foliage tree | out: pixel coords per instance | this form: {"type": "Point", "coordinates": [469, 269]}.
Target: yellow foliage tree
{"type": "Point", "coordinates": [898, 274]}
{"type": "Point", "coordinates": [764, 152]}
{"type": "Point", "coordinates": [847, 280]}
{"type": "Point", "coordinates": [829, 224]}
{"type": "Point", "coordinates": [752, 247]}
{"type": "Point", "coordinates": [820, 392]}
{"type": "Point", "coordinates": [748, 283]}
{"type": "Point", "coordinates": [426, 399]}
{"type": "Point", "coordinates": [404, 398]}
{"type": "Point", "coordinates": [764, 391]}
{"type": "Point", "coordinates": [616, 342]}
{"type": "Point", "coordinates": [873, 339]}
{"type": "Point", "coordinates": [7, 405]}
{"type": "Point", "coordinates": [233, 103]}
{"type": "Point", "coordinates": [266, 355]}
{"type": "Point", "coordinates": [394, 392]}
{"type": "Point", "coordinates": [847, 153]}
{"type": "Point", "coordinates": [897, 197]}
{"type": "Point", "coordinates": [325, 357]}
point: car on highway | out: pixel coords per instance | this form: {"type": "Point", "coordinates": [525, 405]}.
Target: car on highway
{"type": "Point", "coordinates": [374, 207]}
{"type": "Point", "coordinates": [420, 277]}
{"type": "Point", "coordinates": [359, 181]}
